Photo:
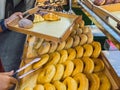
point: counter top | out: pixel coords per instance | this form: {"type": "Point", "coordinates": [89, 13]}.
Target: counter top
{"type": "Point", "coordinates": [114, 59]}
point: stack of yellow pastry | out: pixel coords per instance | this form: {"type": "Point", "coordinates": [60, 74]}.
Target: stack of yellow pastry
{"type": "Point", "coordinates": [73, 64]}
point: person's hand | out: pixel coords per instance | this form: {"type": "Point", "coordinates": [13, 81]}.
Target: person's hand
{"type": "Point", "coordinates": [7, 81]}
{"type": "Point", "coordinates": [12, 17]}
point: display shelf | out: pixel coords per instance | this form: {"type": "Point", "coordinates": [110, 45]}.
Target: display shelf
{"type": "Point", "coordinates": [102, 25]}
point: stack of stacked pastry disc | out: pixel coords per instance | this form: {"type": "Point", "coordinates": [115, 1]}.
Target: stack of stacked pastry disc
{"type": "Point", "coordinates": [70, 65]}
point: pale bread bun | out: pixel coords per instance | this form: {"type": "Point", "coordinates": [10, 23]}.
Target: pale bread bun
{"type": "Point", "coordinates": [25, 23]}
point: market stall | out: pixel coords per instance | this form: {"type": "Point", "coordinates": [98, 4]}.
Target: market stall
{"type": "Point", "coordinates": [69, 60]}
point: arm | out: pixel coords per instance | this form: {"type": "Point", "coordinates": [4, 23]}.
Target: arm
{"type": "Point", "coordinates": [7, 81]}
{"type": "Point", "coordinates": [3, 23]}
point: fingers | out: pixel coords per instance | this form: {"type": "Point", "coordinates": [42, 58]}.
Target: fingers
{"type": "Point", "coordinates": [19, 14]}
{"type": "Point", "coordinates": [13, 80]}
{"type": "Point", "coordinates": [10, 86]}
{"type": "Point", "coordinates": [13, 17]}
{"type": "Point", "coordinates": [8, 73]}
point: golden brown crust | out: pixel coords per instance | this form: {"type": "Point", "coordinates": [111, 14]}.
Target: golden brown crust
{"type": "Point", "coordinates": [51, 17]}
{"type": "Point", "coordinates": [53, 46]}
{"type": "Point", "coordinates": [90, 37]}
{"type": "Point", "coordinates": [59, 72]}
{"type": "Point", "coordinates": [63, 56]}
{"type": "Point", "coordinates": [70, 83]}
{"type": "Point", "coordinates": [46, 75]}
{"type": "Point", "coordinates": [38, 87]}
{"type": "Point", "coordinates": [76, 41]}
{"type": "Point", "coordinates": [69, 66]}
{"type": "Point", "coordinates": [89, 65]}
{"type": "Point", "coordinates": [88, 50]}
{"type": "Point", "coordinates": [44, 59]}
{"type": "Point", "coordinates": [94, 81]}
{"type": "Point", "coordinates": [78, 66]}
{"type": "Point", "coordinates": [44, 48]}
{"type": "Point", "coordinates": [69, 43]}
{"type": "Point", "coordinates": [59, 85]}
{"type": "Point", "coordinates": [96, 49]}
{"type": "Point", "coordinates": [99, 65]}
{"type": "Point", "coordinates": [49, 86]}
{"type": "Point", "coordinates": [54, 58]}
{"type": "Point", "coordinates": [71, 54]}
{"type": "Point", "coordinates": [82, 81]}
{"type": "Point", "coordinates": [104, 82]}
{"type": "Point", "coordinates": [85, 29]}
{"type": "Point", "coordinates": [61, 45]}
{"type": "Point", "coordinates": [83, 39]}
{"type": "Point", "coordinates": [79, 51]}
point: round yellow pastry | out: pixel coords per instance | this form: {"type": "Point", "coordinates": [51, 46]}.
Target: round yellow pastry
{"type": "Point", "coordinates": [53, 46]}
{"type": "Point", "coordinates": [69, 66]}
{"type": "Point", "coordinates": [38, 87]}
{"type": "Point", "coordinates": [82, 81]}
{"type": "Point", "coordinates": [38, 43]}
{"type": "Point", "coordinates": [63, 56]}
{"type": "Point", "coordinates": [76, 41]}
{"type": "Point", "coordinates": [96, 49]}
{"type": "Point", "coordinates": [79, 31]}
{"type": "Point", "coordinates": [44, 48]}
{"type": "Point", "coordinates": [85, 29]}
{"type": "Point", "coordinates": [78, 66]}
{"type": "Point", "coordinates": [81, 24]}
{"type": "Point", "coordinates": [76, 26]}
{"type": "Point", "coordinates": [98, 65]}
{"type": "Point", "coordinates": [59, 72]}
{"type": "Point", "coordinates": [51, 17]}
{"type": "Point", "coordinates": [90, 37]}
{"type": "Point", "coordinates": [104, 82]}
{"type": "Point", "coordinates": [49, 86]}
{"type": "Point", "coordinates": [61, 45]}
{"type": "Point", "coordinates": [94, 81]}
{"type": "Point", "coordinates": [89, 65]}
{"type": "Point", "coordinates": [71, 54]}
{"type": "Point", "coordinates": [79, 51]}
{"type": "Point", "coordinates": [25, 23]}
{"type": "Point", "coordinates": [69, 43]}
{"type": "Point", "coordinates": [44, 59]}
{"type": "Point", "coordinates": [28, 88]}
{"type": "Point", "coordinates": [73, 33]}
{"type": "Point", "coordinates": [88, 50]}
{"type": "Point", "coordinates": [83, 39]}
{"type": "Point", "coordinates": [54, 58]}
{"type": "Point", "coordinates": [70, 83]}
{"type": "Point", "coordinates": [59, 85]}
{"type": "Point", "coordinates": [46, 75]}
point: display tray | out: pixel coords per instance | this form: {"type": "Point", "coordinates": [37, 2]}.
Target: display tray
{"type": "Point", "coordinates": [62, 2]}
{"type": "Point", "coordinates": [50, 30]}
{"type": "Point", "coordinates": [108, 13]}
{"type": "Point", "coordinates": [31, 79]}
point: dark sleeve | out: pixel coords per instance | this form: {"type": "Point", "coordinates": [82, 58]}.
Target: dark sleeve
{"type": "Point", "coordinates": [2, 25]}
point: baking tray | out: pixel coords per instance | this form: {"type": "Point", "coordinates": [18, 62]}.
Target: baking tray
{"type": "Point", "coordinates": [50, 30]}
{"type": "Point", "coordinates": [30, 80]}
{"type": "Point", "coordinates": [106, 12]}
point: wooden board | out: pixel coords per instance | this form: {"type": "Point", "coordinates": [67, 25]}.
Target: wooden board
{"type": "Point", "coordinates": [50, 30]}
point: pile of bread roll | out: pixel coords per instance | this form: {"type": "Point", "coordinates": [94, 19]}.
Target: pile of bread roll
{"type": "Point", "coordinates": [105, 2]}
{"type": "Point", "coordinates": [73, 64]}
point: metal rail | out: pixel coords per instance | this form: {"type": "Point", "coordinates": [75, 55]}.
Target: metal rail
{"type": "Point", "coordinates": [106, 29]}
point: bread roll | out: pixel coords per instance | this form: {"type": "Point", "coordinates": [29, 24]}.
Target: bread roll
{"type": "Point", "coordinates": [99, 2]}
{"type": "Point", "coordinates": [25, 23]}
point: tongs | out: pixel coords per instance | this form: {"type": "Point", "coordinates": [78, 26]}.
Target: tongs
{"type": "Point", "coordinates": [22, 68]}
